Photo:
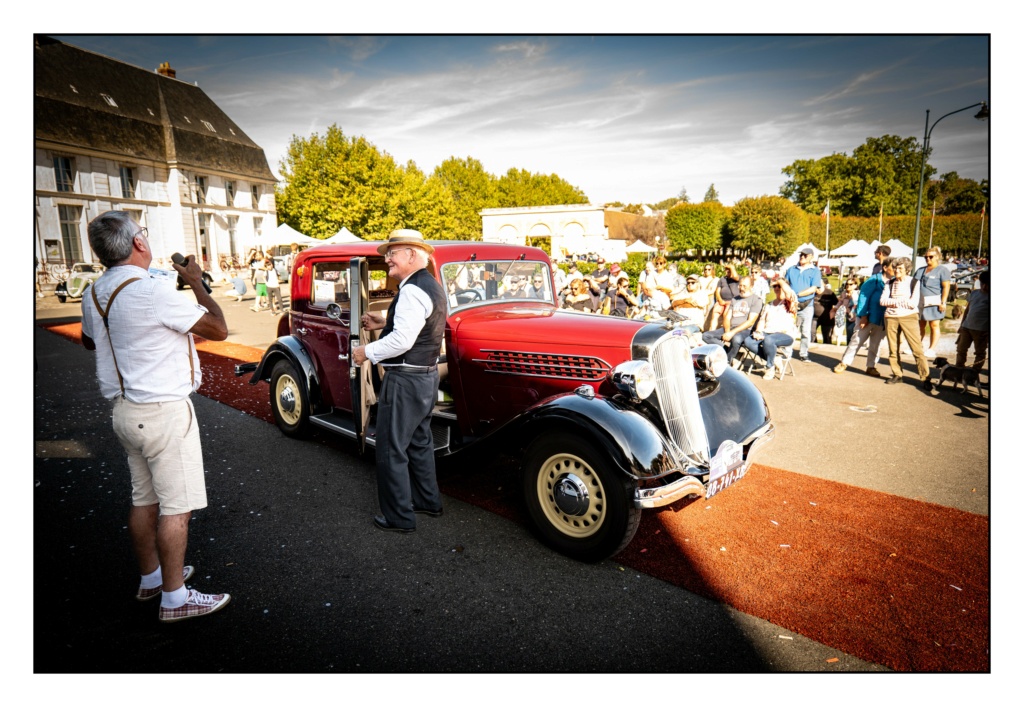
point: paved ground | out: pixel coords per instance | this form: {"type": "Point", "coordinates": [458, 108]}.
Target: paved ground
{"type": "Point", "coordinates": [847, 428]}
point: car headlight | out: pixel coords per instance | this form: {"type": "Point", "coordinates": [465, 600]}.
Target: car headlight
{"type": "Point", "coordinates": [710, 358]}
{"type": "Point", "coordinates": [635, 379]}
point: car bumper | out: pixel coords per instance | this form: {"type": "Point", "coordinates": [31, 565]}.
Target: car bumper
{"type": "Point", "coordinates": [691, 484]}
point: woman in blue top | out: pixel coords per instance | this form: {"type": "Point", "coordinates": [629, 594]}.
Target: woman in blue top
{"type": "Point", "coordinates": [934, 289]}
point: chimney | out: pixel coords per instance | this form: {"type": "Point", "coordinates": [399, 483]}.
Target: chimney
{"type": "Point", "coordinates": [165, 70]}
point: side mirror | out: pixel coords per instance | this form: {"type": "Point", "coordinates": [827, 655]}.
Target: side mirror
{"type": "Point", "coordinates": [333, 311]}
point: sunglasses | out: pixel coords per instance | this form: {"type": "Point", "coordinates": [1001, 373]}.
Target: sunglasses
{"type": "Point", "coordinates": [929, 257]}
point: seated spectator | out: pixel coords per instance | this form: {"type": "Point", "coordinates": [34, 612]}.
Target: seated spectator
{"type": "Point", "coordinates": [775, 327]}
{"type": "Point", "coordinates": [579, 297]}
{"type": "Point", "coordinates": [620, 300]}
{"type": "Point", "coordinates": [740, 317]}
{"type": "Point", "coordinates": [725, 291]}
{"type": "Point", "coordinates": [692, 303]}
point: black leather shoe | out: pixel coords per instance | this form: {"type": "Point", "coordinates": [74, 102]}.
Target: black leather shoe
{"type": "Point", "coordinates": [382, 523]}
{"type": "Point", "coordinates": [423, 511]}
{"type": "Point", "coordinates": [893, 380]}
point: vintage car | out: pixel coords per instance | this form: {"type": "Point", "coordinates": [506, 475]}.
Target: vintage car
{"type": "Point", "coordinates": [608, 416]}
{"type": "Point", "coordinates": [78, 279]}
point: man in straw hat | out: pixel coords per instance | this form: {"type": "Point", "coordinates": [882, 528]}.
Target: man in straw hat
{"type": "Point", "coordinates": [408, 349]}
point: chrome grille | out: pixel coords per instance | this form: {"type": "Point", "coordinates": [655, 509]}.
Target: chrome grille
{"type": "Point", "coordinates": [545, 365]}
{"type": "Point", "coordinates": [677, 397]}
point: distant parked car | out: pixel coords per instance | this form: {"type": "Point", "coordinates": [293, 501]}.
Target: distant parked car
{"type": "Point", "coordinates": [80, 277]}
{"type": "Point", "coordinates": [206, 276]}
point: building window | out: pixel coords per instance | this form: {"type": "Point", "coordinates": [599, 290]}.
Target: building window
{"type": "Point", "coordinates": [232, 227]}
{"type": "Point", "coordinates": [257, 227]}
{"type": "Point", "coordinates": [64, 171]}
{"type": "Point", "coordinates": [209, 126]}
{"type": "Point", "coordinates": [110, 100]}
{"type": "Point", "coordinates": [255, 196]}
{"type": "Point", "coordinates": [229, 190]}
{"type": "Point", "coordinates": [200, 190]}
{"type": "Point", "coordinates": [70, 233]}
{"type": "Point", "coordinates": [127, 183]}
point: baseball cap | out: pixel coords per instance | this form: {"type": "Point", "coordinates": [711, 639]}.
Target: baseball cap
{"type": "Point", "coordinates": [807, 251]}
{"type": "Point", "coordinates": [692, 277]}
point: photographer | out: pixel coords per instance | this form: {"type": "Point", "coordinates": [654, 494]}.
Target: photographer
{"type": "Point", "coordinates": [619, 299]}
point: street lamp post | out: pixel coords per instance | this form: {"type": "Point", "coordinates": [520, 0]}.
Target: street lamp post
{"type": "Point", "coordinates": [981, 115]}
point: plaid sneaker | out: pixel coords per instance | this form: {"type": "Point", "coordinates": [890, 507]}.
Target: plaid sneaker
{"type": "Point", "coordinates": [147, 594]}
{"type": "Point", "coordinates": [197, 604]}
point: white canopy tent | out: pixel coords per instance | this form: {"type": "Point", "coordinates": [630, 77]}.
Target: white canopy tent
{"type": "Point", "coordinates": [286, 235]}
{"type": "Point", "coordinates": [852, 249]}
{"type": "Point", "coordinates": [343, 236]}
{"type": "Point", "coordinates": [638, 246]}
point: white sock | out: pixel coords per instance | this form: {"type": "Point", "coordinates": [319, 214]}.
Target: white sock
{"type": "Point", "coordinates": [152, 580]}
{"type": "Point", "coordinates": [172, 600]}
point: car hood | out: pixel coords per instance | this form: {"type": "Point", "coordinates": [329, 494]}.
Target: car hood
{"type": "Point", "coordinates": [548, 329]}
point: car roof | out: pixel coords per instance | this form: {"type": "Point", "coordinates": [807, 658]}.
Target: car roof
{"type": "Point", "coordinates": [444, 251]}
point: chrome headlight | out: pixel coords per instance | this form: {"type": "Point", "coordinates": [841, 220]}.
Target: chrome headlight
{"type": "Point", "coordinates": [710, 358]}
{"type": "Point", "coordinates": [635, 379]}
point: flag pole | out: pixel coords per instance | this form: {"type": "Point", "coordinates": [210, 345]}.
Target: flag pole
{"type": "Point", "coordinates": [931, 231]}
{"type": "Point", "coordinates": [981, 235]}
{"type": "Point", "coordinates": [828, 217]}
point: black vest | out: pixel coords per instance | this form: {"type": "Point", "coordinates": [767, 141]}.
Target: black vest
{"type": "Point", "coordinates": [427, 347]}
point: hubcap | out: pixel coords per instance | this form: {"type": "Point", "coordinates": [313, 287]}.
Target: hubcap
{"type": "Point", "coordinates": [287, 400]}
{"type": "Point", "coordinates": [571, 495]}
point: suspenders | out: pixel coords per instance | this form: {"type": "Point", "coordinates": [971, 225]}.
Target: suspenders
{"type": "Point", "coordinates": [106, 325]}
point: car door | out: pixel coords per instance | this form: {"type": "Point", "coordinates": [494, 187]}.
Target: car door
{"type": "Point", "coordinates": [326, 339]}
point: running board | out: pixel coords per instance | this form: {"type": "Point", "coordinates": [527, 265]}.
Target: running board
{"type": "Point", "coordinates": [343, 425]}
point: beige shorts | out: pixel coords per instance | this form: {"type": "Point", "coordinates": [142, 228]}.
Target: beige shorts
{"type": "Point", "coordinates": [165, 455]}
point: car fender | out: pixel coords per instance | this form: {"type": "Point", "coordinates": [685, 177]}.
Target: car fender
{"type": "Point", "coordinates": [619, 433]}
{"type": "Point", "coordinates": [291, 349]}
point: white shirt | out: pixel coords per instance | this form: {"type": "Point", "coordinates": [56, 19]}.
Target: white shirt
{"type": "Point", "coordinates": [411, 312]}
{"type": "Point", "coordinates": [149, 324]}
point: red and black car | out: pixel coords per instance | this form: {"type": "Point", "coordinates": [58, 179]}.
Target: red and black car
{"type": "Point", "coordinates": [609, 416]}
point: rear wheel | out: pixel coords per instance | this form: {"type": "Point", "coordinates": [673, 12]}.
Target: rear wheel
{"type": "Point", "coordinates": [288, 400]}
{"type": "Point", "coordinates": [579, 503]}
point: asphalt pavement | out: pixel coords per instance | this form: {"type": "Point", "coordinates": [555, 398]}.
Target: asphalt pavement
{"type": "Point", "coordinates": [318, 590]}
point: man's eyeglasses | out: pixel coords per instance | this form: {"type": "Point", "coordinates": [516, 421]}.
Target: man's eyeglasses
{"type": "Point", "coordinates": [390, 255]}
{"type": "Point", "coordinates": [144, 232]}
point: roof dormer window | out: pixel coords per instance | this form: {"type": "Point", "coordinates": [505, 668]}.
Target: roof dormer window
{"type": "Point", "coordinates": [151, 112]}
{"type": "Point", "coordinates": [209, 126]}
{"type": "Point", "coordinates": [110, 100]}
{"type": "Point", "coordinates": [187, 120]}
{"type": "Point", "coordinates": [73, 89]}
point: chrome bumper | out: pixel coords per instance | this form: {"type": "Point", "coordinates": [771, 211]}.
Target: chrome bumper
{"type": "Point", "coordinates": [689, 484]}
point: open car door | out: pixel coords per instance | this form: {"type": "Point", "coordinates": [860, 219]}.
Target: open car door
{"type": "Point", "coordinates": [361, 377]}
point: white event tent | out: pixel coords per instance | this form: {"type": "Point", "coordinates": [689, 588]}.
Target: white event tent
{"type": "Point", "coordinates": [286, 235]}
{"type": "Point", "coordinates": [343, 236]}
{"type": "Point", "coordinates": [638, 246]}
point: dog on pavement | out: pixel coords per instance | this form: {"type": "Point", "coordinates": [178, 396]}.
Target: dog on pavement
{"type": "Point", "coordinates": [957, 375]}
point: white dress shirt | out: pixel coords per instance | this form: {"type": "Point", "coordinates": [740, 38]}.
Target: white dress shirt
{"type": "Point", "coordinates": [411, 312]}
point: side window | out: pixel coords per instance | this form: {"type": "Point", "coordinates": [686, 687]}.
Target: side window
{"type": "Point", "coordinates": [330, 284]}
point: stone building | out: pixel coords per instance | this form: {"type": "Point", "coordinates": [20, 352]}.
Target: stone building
{"type": "Point", "coordinates": [109, 135]}
{"type": "Point", "coordinates": [571, 230]}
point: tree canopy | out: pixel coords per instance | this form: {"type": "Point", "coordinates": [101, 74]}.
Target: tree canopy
{"type": "Point", "coordinates": [770, 225]}
{"type": "Point", "coordinates": [696, 226]}
{"type": "Point", "coordinates": [334, 180]}
{"type": "Point", "coordinates": [882, 173]}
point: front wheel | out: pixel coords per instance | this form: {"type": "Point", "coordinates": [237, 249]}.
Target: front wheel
{"type": "Point", "coordinates": [288, 400]}
{"type": "Point", "coordinates": [579, 503]}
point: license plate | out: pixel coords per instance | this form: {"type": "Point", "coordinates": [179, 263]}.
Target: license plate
{"type": "Point", "coordinates": [726, 468]}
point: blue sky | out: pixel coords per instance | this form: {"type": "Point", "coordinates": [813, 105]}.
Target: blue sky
{"type": "Point", "coordinates": [627, 118]}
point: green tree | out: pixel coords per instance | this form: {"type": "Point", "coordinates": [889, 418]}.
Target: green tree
{"type": "Point", "coordinates": [881, 173]}
{"type": "Point", "coordinates": [711, 194]}
{"type": "Point", "coordinates": [519, 187]}
{"type": "Point", "coordinates": [768, 226]}
{"type": "Point", "coordinates": [954, 194]}
{"type": "Point", "coordinates": [470, 189]}
{"type": "Point", "coordinates": [665, 204]}
{"type": "Point", "coordinates": [695, 226]}
{"type": "Point", "coordinates": [333, 181]}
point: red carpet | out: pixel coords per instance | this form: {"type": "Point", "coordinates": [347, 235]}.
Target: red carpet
{"type": "Point", "coordinates": [893, 581]}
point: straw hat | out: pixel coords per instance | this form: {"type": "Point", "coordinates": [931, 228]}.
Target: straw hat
{"type": "Point", "coordinates": [405, 237]}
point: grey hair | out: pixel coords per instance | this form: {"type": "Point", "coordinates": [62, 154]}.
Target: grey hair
{"type": "Point", "coordinates": [904, 261]}
{"type": "Point", "coordinates": [111, 235]}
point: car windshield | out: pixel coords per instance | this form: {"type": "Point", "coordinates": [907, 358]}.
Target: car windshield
{"type": "Point", "coordinates": [481, 281]}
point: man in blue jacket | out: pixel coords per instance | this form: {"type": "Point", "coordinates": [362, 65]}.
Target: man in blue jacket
{"type": "Point", "coordinates": [870, 326]}
{"type": "Point", "coordinates": [805, 279]}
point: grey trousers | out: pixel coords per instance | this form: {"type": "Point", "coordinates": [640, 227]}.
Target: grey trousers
{"type": "Point", "coordinates": [872, 336]}
{"type": "Point", "coordinates": [405, 447]}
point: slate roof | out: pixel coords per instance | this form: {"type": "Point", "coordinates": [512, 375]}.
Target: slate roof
{"type": "Point", "coordinates": [149, 120]}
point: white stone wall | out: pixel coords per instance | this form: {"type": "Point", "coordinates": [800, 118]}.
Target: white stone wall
{"type": "Point", "coordinates": [573, 229]}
